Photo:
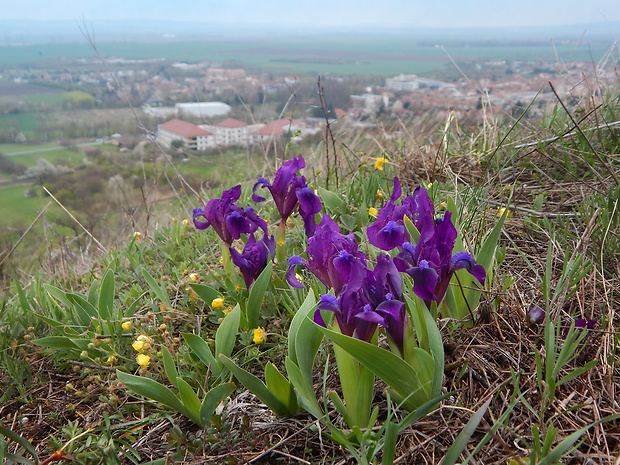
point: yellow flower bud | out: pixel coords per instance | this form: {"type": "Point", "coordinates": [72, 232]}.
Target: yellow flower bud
{"type": "Point", "coordinates": [259, 336]}
{"type": "Point", "coordinates": [143, 360]}
{"type": "Point", "coordinates": [379, 162]}
{"type": "Point", "coordinates": [379, 194]}
{"type": "Point", "coordinates": [137, 235]}
{"type": "Point", "coordinates": [126, 325]}
{"type": "Point", "coordinates": [373, 212]}
{"type": "Point", "coordinates": [217, 303]}
{"type": "Point", "coordinates": [193, 277]}
{"type": "Point", "coordinates": [429, 185]}
{"type": "Point", "coordinates": [185, 222]}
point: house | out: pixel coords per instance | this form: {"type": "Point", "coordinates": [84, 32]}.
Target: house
{"type": "Point", "coordinates": [201, 109]}
{"type": "Point", "coordinates": [403, 83]}
{"type": "Point", "coordinates": [227, 133]}
{"type": "Point", "coordinates": [192, 136]}
{"type": "Point", "coordinates": [275, 129]}
{"type": "Point", "coordinates": [230, 132]}
{"type": "Point", "coordinates": [369, 103]}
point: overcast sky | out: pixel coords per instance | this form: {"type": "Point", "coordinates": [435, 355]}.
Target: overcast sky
{"type": "Point", "coordinates": [421, 13]}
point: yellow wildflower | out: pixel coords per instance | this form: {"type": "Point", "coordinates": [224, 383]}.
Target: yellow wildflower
{"type": "Point", "coordinates": [379, 194]}
{"type": "Point", "coordinates": [174, 219]}
{"type": "Point", "coordinates": [186, 222]}
{"type": "Point", "coordinates": [238, 287]}
{"type": "Point", "coordinates": [443, 205]}
{"type": "Point", "coordinates": [217, 303]}
{"type": "Point", "coordinates": [280, 243]}
{"type": "Point", "coordinates": [373, 212]}
{"type": "Point", "coordinates": [501, 211]}
{"type": "Point", "coordinates": [193, 277]}
{"type": "Point", "coordinates": [379, 162]}
{"type": "Point", "coordinates": [429, 185]}
{"type": "Point", "coordinates": [137, 235]}
{"type": "Point", "coordinates": [138, 346]}
{"type": "Point", "coordinates": [143, 360]}
{"type": "Point", "coordinates": [142, 343]}
{"type": "Point", "coordinates": [259, 335]}
{"type": "Point", "coordinates": [126, 325]}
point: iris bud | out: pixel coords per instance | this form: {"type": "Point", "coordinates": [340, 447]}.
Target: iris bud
{"type": "Point", "coordinates": [536, 315]}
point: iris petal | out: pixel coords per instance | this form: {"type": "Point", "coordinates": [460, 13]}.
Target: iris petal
{"type": "Point", "coordinates": [425, 280]}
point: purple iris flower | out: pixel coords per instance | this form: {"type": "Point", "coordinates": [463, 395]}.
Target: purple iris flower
{"type": "Point", "coordinates": [227, 218]}
{"type": "Point", "coordinates": [368, 299]}
{"type": "Point", "coordinates": [254, 257]}
{"type": "Point", "coordinates": [384, 289]}
{"type": "Point", "coordinates": [430, 262]}
{"type": "Point", "coordinates": [384, 281]}
{"type": "Point", "coordinates": [392, 315]}
{"type": "Point", "coordinates": [332, 256]}
{"type": "Point", "coordinates": [290, 190]}
{"type": "Point", "coordinates": [351, 302]}
{"type": "Point", "coordinates": [389, 231]}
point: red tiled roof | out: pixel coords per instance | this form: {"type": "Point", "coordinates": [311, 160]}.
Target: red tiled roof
{"type": "Point", "coordinates": [275, 128]}
{"type": "Point", "coordinates": [184, 128]}
{"type": "Point", "coordinates": [231, 123]}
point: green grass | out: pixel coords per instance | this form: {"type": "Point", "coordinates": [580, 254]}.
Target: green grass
{"type": "Point", "coordinates": [51, 100]}
{"type": "Point", "coordinates": [26, 122]}
{"type": "Point", "coordinates": [64, 156]}
{"type": "Point", "coordinates": [18, 211]}
{"type": "Point", "coordinates": [14, 148]}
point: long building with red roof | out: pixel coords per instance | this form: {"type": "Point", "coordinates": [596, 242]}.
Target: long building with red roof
{"type": "Point", "coordinates": [192, 136]}
{"type": "Point", "coordinates": [226, 133]}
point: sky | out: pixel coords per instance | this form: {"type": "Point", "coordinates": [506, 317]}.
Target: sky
{"type": "Point", "coordinates": [418, 13]}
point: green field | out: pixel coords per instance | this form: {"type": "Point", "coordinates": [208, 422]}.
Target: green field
{"type": "Point", "coordinates": [367, 55]}
{"type": "Point", "coordinates": [18, 211]}
{"type": "Point", "coordinates": [51, 152]}
{"type": "Point", "coordinates": [15, 148]}
{"type": "Point", "coordinates": [62, 156]}
{"type": "Point", "coordinates": [26, 122]}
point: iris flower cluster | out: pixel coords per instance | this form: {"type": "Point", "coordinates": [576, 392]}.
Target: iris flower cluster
{"type": "Point", "coordinates": [364, 298]}
{"type": "Point", "coordinates": [289, 191]}
{"type": "Point", "coordinates": [430, 261]}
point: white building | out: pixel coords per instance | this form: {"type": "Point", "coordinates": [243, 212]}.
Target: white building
{"type": "Point", "coordinates": [369, 103]}
{"type": "Point", "coordinates": [227, 133]}
{"type": "Point", "coordinates": [201, 109]}
{"type": "Point", "coordinates": [411, 82]}
{"type": "Point", "coordinates": [192, 136]}
{"type": "Point", "coordinates": [230, 132]}
{"type": "Point", "coordinates": [402, 83]}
